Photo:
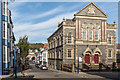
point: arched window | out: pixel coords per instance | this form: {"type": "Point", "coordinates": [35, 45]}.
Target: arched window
{"type": "Point", "coordinates": [90, 31]}
{"type": "Point", "coordinates": [69, 38]}
{"type": "Point", "coordinates": [109, 40]}
{"type": "Point", "coordinates": [84, 34]}
{"type": "Point", "coordinates": [90, 34]}
{"type": "Point", "coordinates": [96, 34]}
{"type": "Point", "coordinates": [69, 53]}
{"type": "Point", "coordinates": [109, 52]}
{"type": "Point", "coordinates": [91, 26]}
{"type": "Point", "coordinates": [58, 41]}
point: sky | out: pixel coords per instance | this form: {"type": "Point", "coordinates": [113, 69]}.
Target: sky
{"type": "Point", "coordinates": [38, 20]}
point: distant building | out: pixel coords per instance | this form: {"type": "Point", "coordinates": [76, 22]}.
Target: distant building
{"type": "Point", "coordinates": [118, 55]}
{"type": "Point", "coordinates": [118, 48]}
{"type": "Point", "coordinates": [42, 56]}
{"type": "Point", "coordinates": [87, 37]}
{"type": "Point", "coordinates": [31, 54]}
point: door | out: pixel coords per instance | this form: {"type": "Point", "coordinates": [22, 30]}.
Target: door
{"type": "Point", "coordinates": [96, 58]}
{"type": "Point", "coordinates": [87, 58]}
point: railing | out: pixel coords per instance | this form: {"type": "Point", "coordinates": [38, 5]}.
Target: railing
{"type": "Point", "coordinates": [86, 66]}
{"type": "Point", "coordinates": [104, 65]}
{"type": "Point", "coordinates": [67, 67]}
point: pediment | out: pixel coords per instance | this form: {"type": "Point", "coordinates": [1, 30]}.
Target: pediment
{"type": "Point", "coordinates": [91, 10]}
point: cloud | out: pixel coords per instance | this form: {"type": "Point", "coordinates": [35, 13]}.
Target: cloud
{"type": "Point", "coordinates": [44, 28]}
{"type": "Point", "coordinates": [39, 30]}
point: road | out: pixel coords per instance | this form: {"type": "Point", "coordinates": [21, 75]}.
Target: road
{"type": "Point", "coordinates": [38, 74]}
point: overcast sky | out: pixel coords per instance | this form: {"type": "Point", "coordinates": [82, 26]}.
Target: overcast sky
{"type": "Point", "coordinates": [38, 20]}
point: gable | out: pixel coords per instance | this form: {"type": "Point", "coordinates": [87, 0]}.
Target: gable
{"type": "Point", "coordinates": [91, 10]}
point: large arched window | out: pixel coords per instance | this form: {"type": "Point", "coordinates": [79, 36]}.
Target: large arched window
{"type": "Point", "coordinates": [69, 38]}
{"type": "Point", "coordinates": [84, 31]}
{"type": "Point", "coordinates": [90, 34]}
{"type": "Point", "coordinates": [58, 41]}
{"type": "Point", "coordinates": [96, 32]}
{"type": "Point", "coordinates": [84, 34]}
{"type": "Point", "coordinates": [90, 31]}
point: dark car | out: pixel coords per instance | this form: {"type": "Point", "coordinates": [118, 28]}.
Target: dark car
{"type": "Point", "coordinates": [37, 65]}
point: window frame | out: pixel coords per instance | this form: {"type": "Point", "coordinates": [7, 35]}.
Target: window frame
{"type": "Point", "coordinates": [97, 35]}
{"type": "Point", "coordinates": [84, 37]}
{"type": "Point", "coordinates": [69, 38]}
{"type": "Point", "coordinates": [90, 35]}
{"type": "Point", "coordinates": [70, 53]}
{"type": "Point", "coordinates": [111, 53]}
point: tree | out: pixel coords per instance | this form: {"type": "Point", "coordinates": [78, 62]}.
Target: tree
{"type": "Point", "coordinates": [23, 45]}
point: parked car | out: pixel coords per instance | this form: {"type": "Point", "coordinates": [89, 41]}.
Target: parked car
{"type": "Point", "coordinates": [26, 65]}
{"type": "Point", "coordinates": [44, 67]}
{"type": "Point", "coordinates": [37, 65]}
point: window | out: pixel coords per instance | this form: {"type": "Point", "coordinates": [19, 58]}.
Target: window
{"type": "Point", "coordinates": [58, 41]}
{"type": "Point", "coordinates": [84, 25]}
{"type": "Point", "coordinates": [59, 54]}
{"type": "Point", "coordinates": [109, 40]}
{"type": "Point", "coordinates": [3, 29]}
{"type": "Point", "coordinates": [4, 18]}
{"type": "Point", "coordinates": [4, 8]}
{"type": "Point", "coordinates": [96, 26]}
{"type": "Point", "coordinates": [69, 38]}
{"type": "Point", "coordinates": [4, 53]}
{"type": "Point", "coordinates": [110, 53]}
{"type": "Point", "coordinates": [84, 34]}
{"type": "Point", "coordinates": [69, 52]}
{"type": "Point", "coordinates": [90, 26]}
{"type": "Point", "coordinates": [96, 35]}
{"type": "Point", "coordinates": [90, 34]}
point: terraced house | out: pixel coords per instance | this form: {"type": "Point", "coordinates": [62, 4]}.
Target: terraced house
{"type": "Point", "coordinates": [86, 40]}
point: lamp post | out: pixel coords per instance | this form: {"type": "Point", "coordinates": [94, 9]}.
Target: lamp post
{"type": "Point", "coordinates": [78, 64]}
{"type": "Point", "coordinates": [21, 63]}
{"type": "Point", "coordinates": [15, 70]}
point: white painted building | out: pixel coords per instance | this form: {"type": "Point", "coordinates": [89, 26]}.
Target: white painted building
{"type": "Point", "coordinates": [45, 57]}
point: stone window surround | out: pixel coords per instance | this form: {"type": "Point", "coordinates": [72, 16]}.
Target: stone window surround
{"type": "Point", "coordinates": [72, 38]}
{"type": "Point", "coordinates": [72, 55]}
{"type": "Point", "coordinates": [109, 35]}
{"type": "Point", "coordinates": [111, 53]}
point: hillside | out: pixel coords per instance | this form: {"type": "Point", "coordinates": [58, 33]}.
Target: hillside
{"type": "Point", "coordinates": [36, 45]}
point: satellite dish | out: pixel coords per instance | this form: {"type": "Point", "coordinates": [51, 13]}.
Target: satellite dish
{"type": "Point", "coordinates": [12, 0]}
